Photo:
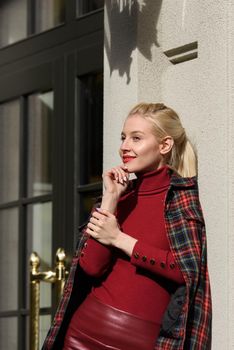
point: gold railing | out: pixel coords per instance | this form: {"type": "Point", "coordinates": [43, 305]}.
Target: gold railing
{"type": "Point", "coordinates": [57, 276]}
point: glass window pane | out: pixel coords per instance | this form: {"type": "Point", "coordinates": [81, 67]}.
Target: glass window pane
{"type": "Point", "coordinates": [13, 21]}
{"type": "Point", "coordinates": [8, 259]}
{"type": "Point", "coordinates": [40, 112]}
{"type": "Point", "coordinates": [84, 6]}
{"type": "Point", "coordinates": [48, 14]}
{"type": "Point", "coordinates": [91, 126]}
{"type": "Point", "coordinates": [8, 333]}
{"type": "Point", "coordinates": [39, 232]}
{"type": "Point", "coordinates": [45, 323]}
{"type": "Point", "coordinates": [87, 200]}
{"type": "Point", "coordinates": [9, 151]}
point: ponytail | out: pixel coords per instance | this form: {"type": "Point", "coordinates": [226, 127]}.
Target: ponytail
{"type": "Point", "coordinates": [186, 165]}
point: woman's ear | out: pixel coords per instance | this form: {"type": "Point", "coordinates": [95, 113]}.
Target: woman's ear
{"type": "Point", "coordinates": [166, 145]}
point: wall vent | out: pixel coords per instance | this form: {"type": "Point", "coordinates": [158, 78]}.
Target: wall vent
{"type": "Point", "coordinates": [183, 53]}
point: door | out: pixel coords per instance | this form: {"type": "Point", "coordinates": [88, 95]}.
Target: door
{"type": "Point", "coordinates": [51, 115]}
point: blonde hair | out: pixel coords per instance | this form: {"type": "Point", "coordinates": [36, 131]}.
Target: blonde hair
{"type": "Point", "coordinates": [166, 122]}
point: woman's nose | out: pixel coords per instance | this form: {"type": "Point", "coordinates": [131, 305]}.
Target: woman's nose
{"type": "Point", "coordinates": [125, 145]}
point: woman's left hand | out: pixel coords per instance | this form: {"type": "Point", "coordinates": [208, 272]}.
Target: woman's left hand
{"type": "Point", "coordinates": [103, 227]}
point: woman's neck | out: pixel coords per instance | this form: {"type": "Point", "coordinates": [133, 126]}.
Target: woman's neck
{"type": "Point", "coordinates": [153, 180]}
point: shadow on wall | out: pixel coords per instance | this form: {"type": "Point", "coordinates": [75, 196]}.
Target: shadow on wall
{"type": "Point", "coordinates": [130, 24]}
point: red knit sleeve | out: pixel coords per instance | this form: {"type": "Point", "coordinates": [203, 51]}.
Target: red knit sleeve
{"type": "Point", "coordinates": [95, 258]}
{"type": "Point", "coordinates": [156, 260]}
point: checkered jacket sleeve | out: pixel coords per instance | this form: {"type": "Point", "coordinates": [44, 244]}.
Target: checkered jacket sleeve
{"type": "Point", "coordinates": [186, 232]}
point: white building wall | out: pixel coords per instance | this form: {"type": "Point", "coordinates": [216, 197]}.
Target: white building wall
{"type": "Point", "coordinates": [138, 67]}
{"type": "Point", "coordinates": [230, 168]}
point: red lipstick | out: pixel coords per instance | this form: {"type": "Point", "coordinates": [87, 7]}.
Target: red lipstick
{"type": "Point", "coordinates": [127, 159]}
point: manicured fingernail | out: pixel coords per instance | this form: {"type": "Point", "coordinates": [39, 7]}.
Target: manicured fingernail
{"type": "Point", "coordinates": [98, 209]}
{"type": "Point", "coordinates": [125, 179]}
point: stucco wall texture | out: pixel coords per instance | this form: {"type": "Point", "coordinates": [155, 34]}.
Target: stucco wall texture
{"type": "Point", "coordinates": [181, 52]}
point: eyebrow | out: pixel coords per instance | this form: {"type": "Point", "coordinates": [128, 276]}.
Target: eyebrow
{"type": "Point", "coordinates": [134, 132]}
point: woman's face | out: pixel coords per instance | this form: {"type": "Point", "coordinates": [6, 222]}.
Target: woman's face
{"type": "Point", "coordinates": [140, 150]}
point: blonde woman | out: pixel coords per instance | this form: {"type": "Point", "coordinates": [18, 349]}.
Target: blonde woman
{"type": "Point", "coordinates": [139, 278]}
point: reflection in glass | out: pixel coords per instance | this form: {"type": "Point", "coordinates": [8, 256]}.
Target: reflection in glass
{"type": "Point", "coordinates": [8, 333]}
{"type": "Point", "coordinates": [9, 151]}
{"type": "Point", "coordinates": [8, 259]}
{"type": "Point", "coordinates": [13, 21]}
{"type": "Point", "coordinates": [45, 323]}
{"type": "Point", "coordinates": [40, 112]}
{"type": "Point", "coordinates": [84, 6]}
{"type": "Point", "coordinates": [87, 201]}
{"type": "Point", "coordinates": [91, 125]}
{"type": "Point", "coordinates": [48, 14]}
{"type": "Point", "coordinates": [39, 233]}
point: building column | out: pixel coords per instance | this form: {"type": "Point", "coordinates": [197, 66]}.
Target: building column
{"type": "Point", "coordinates": [181, 52]}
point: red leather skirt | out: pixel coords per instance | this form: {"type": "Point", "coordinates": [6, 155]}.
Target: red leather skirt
{"type": "Point", "coordinates": [96, 326]}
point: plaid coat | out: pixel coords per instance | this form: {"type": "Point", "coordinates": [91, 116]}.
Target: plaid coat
{"type": "Point", "coordinates": [187, 320]}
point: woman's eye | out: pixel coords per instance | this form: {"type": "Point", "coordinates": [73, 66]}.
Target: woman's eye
{"type": "Point", "coordinates": [136, 138]}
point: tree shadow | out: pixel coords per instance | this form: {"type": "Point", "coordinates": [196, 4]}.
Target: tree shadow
{"type": "Point", "coordinates": [130, 25]}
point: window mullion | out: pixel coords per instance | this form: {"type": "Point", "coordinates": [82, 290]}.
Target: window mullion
{"type": "Point", "coordinates": [30, 17]}
{"type": "Point", "coordinates": [70, 11]}
{"type": "Point", "coordinates": [22, 253]}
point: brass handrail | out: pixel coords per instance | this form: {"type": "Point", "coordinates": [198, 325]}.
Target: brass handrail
{"type": "Point", "coordinates": [58, 277]}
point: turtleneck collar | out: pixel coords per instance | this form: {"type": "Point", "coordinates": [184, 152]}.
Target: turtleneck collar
{"type": "Point", "coordinates": [153, 181]}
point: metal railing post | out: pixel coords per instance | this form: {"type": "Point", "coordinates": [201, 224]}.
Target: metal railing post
{"type": "Point", "coordinates": [36, 277]}
{"type": "Point", "coordinates": [34, 302]}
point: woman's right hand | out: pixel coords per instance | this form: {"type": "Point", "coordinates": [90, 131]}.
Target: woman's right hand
{"type": "Point", "coordinates": [116, 180]}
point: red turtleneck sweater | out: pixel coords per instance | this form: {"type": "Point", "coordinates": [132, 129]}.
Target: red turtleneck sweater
{"type": "Point", "coordinates": [140, 284]}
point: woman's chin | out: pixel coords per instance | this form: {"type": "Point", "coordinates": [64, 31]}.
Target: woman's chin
{"type": "Point", "coordinates": [130, 169]}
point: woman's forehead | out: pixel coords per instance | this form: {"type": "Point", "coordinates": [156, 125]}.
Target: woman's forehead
{"type": "Point", "coordinates": [136, 123]}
